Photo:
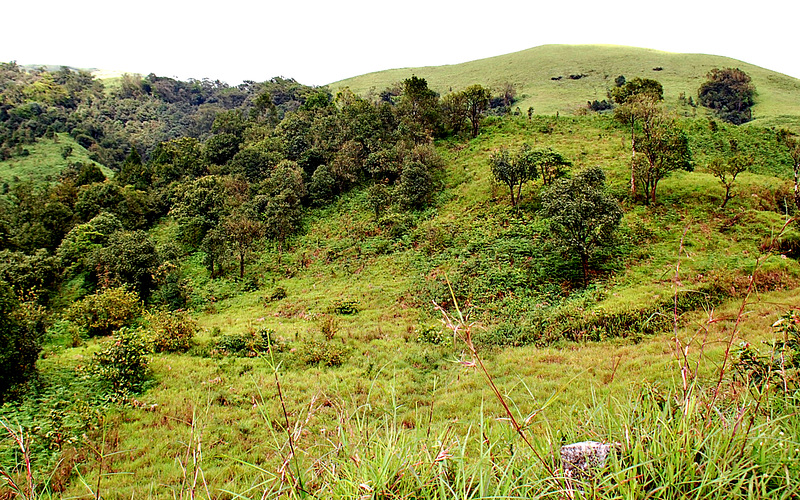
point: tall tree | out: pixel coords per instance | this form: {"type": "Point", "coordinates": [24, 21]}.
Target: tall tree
{"type": "Point", "coordinates": [514, 169]}
{"type": "Point", "coordinates": [477, 101]}
{"type": "Point", "coordinates": [581, 214]}
{"type": "Point", "coordinates": [419, 110]}
{"type": "Point", "coordinates": [240, 233]}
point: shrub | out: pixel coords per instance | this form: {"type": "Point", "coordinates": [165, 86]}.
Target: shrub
{"type": "Point", "coordinates": [105, 311]}
{"type": "Point", "coordinates": [327, 353]}
{"type": "Point", "coordinates": [122, 363]}
{"type": "Point", "coordinates": [172, 331]}
{"type": "Point", "coordinates": [433, 335]}
{"type": "Point", "coordinates": [21, 327]}
{"type": "Point", "coordinates": [248, 344]}
{"type": "Point", "coordinates": [345, 307]}
{"type": "Point", "coordinates": [779, 367]}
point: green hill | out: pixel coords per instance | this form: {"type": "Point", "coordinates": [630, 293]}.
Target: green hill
{"type": "Point", "coordinates": [542, 74]}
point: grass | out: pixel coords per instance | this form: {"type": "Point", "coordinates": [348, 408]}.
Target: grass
{"type": "Point", "coordinates": [44, 162]}
{"type": "Point", "coordinates": [401, 418]}
{"type": "Point", "coordinates": [532, 71]}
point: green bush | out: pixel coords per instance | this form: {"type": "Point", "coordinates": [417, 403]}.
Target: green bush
{"type": "Point", "coordinates": [345, 307]}
{"type": "Point", "coordinates": [248, 344]}
{"type": "Point", "coordinates": [105, 311]}
{"type": "Point", "coordinates": [325, 353]}
{"type": "Point", "coordinates": [122, 363]}
{"type": "Point", "coordinates": [779, 366]}
{"type": "Point", "coordinates": [21, 329]}
{"type": "Point", "coordinates": [433, 335]}
{"type": "Point", "coordinates": [172, 331]}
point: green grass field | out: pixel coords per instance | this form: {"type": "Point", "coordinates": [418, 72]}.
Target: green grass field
{"type": "Point", "coordinates": [44, 161]}
{"type": "Point", "coordinates": [401, 418]}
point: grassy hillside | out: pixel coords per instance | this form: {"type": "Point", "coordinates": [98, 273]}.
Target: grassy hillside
{"type": "Point", "coordinates": [44, 161]}
{"type": "Point", "coordinates": [362, 391]}
{"type": "Point", "coordinates": [532, 71]}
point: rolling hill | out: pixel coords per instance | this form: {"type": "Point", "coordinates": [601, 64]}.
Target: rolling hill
{"type": "Point", "coordinates": [561, 78]}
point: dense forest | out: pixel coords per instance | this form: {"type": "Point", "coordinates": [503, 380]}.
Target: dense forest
{"type": "Point", "coordinates": [217, 193]}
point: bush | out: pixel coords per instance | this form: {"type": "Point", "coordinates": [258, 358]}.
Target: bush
{"type": "Point", "coordinates": [779, 367]}
{"type": "Point", "coordinates": [248, 344]}
{"type": "Point", "coordinates": [122, 363]}
{"type": "Point", "coordinates": [433, 335]}
{"type": "Point", "coordinates": [172, 331]}
{"type": "Point", "coordinates": [327, 353]}
{"type": "Point", "coordinates": [105, 311]}
{"type": "Point", "coordinates": [21, 328]}
{"type": "Point", "coordinates": [345, 307]}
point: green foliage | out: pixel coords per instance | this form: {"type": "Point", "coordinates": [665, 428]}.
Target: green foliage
{"type": "Point", "coordinates": [476, 98]}
{"type": "Point", "coordinates": [122, 364]}
{"type": "Point", "coordinates": [730, 93]}
{"type": "Point", "coordinates": [198, 207]}
{"type": "Point", "coordinates": [326, 353]}
{"type": "Point", "coordinates": [129, 259]}
{"type": "Point", "coordinates": [171, 331]}
{"type": "Point", "coordinates": [251, 343]}
{"type": "Point", "coordinates": [278, 203]}
{"type": "Point", "coordinates": [345, 307]}
{"type": "Point", "coordinates": [21, 329]}
{"type": "Point", "coordinates": [105, 311]}
{"type": "Point", "coordinates": [433, 335]}
{"type": "Point", "coordinates": [78, 246]}
{"type": "Point", "coordinates": [582, 215]}
{"type": "Point", "coordinates": [779, 367]}
{"type": "Point", "coordinates": [637, 87]}
{"type": "Point", "coordinates": [515, 169]}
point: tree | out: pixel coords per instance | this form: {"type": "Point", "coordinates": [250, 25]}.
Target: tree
{"type": "Point", "coordinates": [419, 110]}
{"type": "Point", "coordinates": [454, 112]}
{"type": "Point", "coordinates": [240, 234]}
{"type": "Point", "coordinates": [20, 342]}
{"type": "Point", "coordinates": [549, 162]}
{"type": "Point", "coordinates": [621, 94]}
{"type": "Point", "coordinates": [727, 169]}
{"type": "Point", "coordinates": [279, 202]}
{"type": "Point", "coordinates": [662, 149]}
{"type": "Point", "coordinates": [199, 206]}
{"type": "Point", "coordinates": [582, 215]}
{"type": "Point", "coordinates": [477, 102]}
{"type": "Point", "coordinates": [514, 169]}
{"type": "Point", "coordinates": [658, 147]}
{"type": "Point", "coordinates": [729, 93]}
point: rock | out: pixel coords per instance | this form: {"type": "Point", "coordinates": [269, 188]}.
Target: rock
{"type": "Point", "coordinates": [580, 460]}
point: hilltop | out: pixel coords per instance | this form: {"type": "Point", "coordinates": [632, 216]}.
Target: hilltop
{"type": "Point", "coordinates": [545, 78]}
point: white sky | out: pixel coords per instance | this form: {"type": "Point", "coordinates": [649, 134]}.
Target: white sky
{"type": "Point", "coordinates": [319, 42]}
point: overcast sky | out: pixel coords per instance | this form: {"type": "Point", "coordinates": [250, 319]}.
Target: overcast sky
{"type": "Point", "coordinates": [319, 42]}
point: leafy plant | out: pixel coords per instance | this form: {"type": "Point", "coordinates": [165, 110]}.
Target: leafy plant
{"type": "Point", "coordinates": [105, 311]}
{"type": "Point", "coordinates": [345, 307]}
{"type": "Point", "coordinates": [122, 364]}
{"type": "Point", "coordinates": [172, 331]}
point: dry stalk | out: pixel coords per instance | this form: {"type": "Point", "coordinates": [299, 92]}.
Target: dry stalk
{"type": "Point", "coordinates": [463, 330]}
{"type": "Point", "coordinates": [18, 437]}
{"type": "Point", "coordinates": [740, 315]}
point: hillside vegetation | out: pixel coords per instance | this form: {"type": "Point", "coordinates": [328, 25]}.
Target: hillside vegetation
{"type": "Point", "coordinates": [532, 73]}
{"type": "Point", "coordinates": [334, 296]}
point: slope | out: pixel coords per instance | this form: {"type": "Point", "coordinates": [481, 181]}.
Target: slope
{"type": "Point", "coordinates": [561, 78]}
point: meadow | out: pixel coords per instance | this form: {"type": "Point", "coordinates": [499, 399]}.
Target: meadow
{"type": "Point", "coordinates": [329, 373]}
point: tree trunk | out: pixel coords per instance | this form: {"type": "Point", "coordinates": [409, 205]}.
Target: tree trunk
{"type": "Point", "coordinates": [241, 265]}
